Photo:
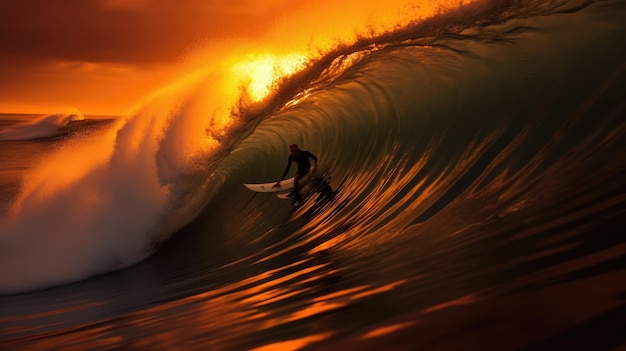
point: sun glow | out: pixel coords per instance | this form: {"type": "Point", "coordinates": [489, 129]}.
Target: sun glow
{"type": "Point", "coordinates": [262, 74]}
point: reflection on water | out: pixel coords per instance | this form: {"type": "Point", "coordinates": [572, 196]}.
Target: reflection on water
{"type": "Point", "coordinates": [387, 330]}
{"type": "Point", "coordinates": [296, 344]}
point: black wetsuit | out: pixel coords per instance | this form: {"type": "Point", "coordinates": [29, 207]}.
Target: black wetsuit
{"type": "Point", "coordinates": [303, 162]}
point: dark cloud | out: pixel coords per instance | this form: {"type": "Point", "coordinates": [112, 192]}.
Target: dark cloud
{"type": "Point", "coordinates": [122, 31]}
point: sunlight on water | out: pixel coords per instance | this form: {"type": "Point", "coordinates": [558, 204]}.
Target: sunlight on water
{"type": "Point", "coordinates": [387, 330]}
{"type": "Point", "coordinates": [263, 73]}
{"type": "Point", "coordinates": [295, 344]}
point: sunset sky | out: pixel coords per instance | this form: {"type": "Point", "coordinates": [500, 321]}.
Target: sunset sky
{"type": "Point", "coordinates": [101, 56]}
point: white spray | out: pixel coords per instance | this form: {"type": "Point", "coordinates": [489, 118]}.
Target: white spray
{"type": "Point", "coordinates": [99, 205]}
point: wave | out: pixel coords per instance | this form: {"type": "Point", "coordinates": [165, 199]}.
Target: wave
{"type": "Point", "coordinates": [43, 127]}
{"type": "Point", "coordinates": [440, 124]}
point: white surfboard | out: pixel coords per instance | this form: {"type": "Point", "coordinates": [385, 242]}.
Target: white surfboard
{"type": "Point", "coordinates": [285, 185]}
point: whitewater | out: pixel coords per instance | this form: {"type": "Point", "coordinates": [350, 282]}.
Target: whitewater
{"type": "Point", "coordinates": [477, 162]}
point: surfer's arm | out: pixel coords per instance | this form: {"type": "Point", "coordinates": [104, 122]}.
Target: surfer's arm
{"type": "Point", "coordinates": [284, 173]}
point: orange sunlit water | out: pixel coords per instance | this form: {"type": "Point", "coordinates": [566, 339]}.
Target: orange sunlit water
{"type": "Point", "coordinates": [461, 301]}
{"type": "Point", "coordinates": [295, 344]}
{"type": "Point", "coordinates": [387, 330]}
{"type": "Point", "coordinates": [262, 73]}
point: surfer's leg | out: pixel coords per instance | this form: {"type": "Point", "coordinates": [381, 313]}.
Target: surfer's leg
{"type": "Point", "coordinates": [296, 186]}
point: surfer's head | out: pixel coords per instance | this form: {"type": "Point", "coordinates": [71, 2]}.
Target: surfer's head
{"type": "Point", "coordinates": [293, 149]}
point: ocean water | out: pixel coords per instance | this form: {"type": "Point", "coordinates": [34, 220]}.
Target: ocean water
{"type": "Point", "coordinates": [477, 163]}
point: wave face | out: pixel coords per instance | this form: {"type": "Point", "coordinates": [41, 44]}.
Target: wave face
{"type": "Point", "coordinates": [478, 163]}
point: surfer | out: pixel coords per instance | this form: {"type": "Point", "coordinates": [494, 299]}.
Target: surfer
{"type": "Point", "coordinates": [301, 158]}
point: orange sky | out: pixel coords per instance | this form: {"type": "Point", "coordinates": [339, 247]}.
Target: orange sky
{"type": "Point", "coordinates": [102, 56]}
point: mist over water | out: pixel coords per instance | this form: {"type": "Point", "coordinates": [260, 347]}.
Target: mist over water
{"type": "Point", "coordinates": [478, 173]}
